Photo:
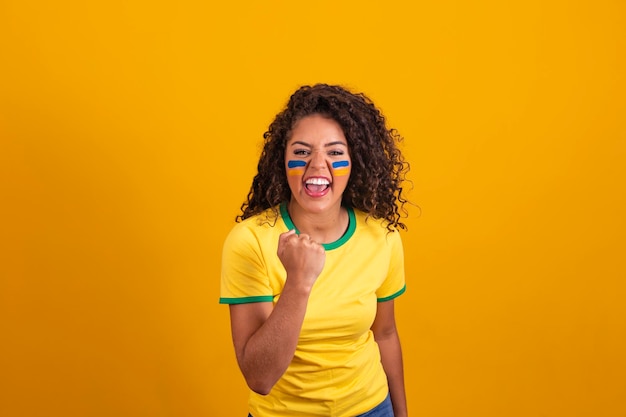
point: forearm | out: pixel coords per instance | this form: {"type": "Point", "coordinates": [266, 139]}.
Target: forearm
{"type": "Point", "coordinates": [391, 356]}
{"type": "Point", "coordinates": [269, 351]}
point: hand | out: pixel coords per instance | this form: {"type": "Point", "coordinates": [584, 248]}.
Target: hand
{"type": "Point", "coordinates": [302, 258]}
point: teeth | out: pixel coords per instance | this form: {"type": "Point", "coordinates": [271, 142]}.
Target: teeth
{"type": "Point", "coordinates": [317, 181]}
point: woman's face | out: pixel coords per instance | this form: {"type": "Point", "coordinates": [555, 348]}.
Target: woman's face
{"type": "Point", "coordinates": [318, 164]}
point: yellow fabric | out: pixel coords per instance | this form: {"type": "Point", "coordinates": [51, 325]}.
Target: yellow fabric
{"type": "Point", "coordinates": [336, 370]}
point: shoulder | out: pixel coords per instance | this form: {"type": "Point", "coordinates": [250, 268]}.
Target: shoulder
{"type": "Point", "coordinates": [263, 220]}
{"type": "Point", "coordinates": [254, 230]}
{"type": "Point", "coordinates": [374, 232]}
{"type": "Point", "coordinates": [375, 227]}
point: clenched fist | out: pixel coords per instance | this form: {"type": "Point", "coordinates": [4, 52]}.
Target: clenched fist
{"type": "Point", "coordinates": [302, 258]}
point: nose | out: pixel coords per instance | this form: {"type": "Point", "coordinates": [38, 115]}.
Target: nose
{"type": "Point", "coordinates": [318, 159]}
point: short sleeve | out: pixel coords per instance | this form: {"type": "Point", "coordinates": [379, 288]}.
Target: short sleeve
{"type": "Point", "coordinates": [394, 284]}
{"type": "Point", "coordinates": [243, 275]}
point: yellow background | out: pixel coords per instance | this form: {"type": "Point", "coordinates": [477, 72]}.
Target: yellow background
{"type": "Point", "coordinates": [129, 135]}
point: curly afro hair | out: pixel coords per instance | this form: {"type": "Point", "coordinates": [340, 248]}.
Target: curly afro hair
{"type": "Point", "coordinates": [378, 167]}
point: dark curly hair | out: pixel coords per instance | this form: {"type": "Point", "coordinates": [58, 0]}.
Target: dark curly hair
{"type": "Point", "coordinates": [378, 167]}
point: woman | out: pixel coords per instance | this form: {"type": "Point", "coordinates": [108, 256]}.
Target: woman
{"type": "Point", "coordinates": [313, 266]}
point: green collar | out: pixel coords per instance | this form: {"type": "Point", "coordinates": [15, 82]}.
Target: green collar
{"type": "Point", "coordinates": [328, 246]}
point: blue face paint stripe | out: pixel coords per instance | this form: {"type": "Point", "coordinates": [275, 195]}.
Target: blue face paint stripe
{"type": "Point", "coordinates": [340, 164]}
{"type": "Point", "coordinates": [295, 164]}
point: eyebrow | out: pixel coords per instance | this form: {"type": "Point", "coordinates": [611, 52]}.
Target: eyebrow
{"type": "Point", "coordinates": [326, 145]}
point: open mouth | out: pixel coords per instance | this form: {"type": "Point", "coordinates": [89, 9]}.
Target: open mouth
{"type": "Point", "coordinates": [316, 185]}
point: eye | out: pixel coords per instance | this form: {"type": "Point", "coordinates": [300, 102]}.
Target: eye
{"type": "Point", "coordinates": [335, 152]}
{"type": "Point", "coordinates": [301, 152]}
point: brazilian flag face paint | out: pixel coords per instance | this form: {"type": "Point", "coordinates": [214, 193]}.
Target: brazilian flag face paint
{"type": "Point", "coordinates": [295, 167]}
{"type": "Point", "coordinates": [341, 168]}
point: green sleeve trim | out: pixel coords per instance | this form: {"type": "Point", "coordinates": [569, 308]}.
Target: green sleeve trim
{"type": "Point", "coordinates": [392, 296]}
{"type": "Point", "coordinates": [245, 300]}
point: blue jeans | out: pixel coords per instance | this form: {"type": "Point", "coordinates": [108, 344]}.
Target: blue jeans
{"type": "Point", "coordinates": [383, 409]}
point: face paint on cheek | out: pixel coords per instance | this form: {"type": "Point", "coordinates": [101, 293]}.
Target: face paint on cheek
{"type": "Point", "coordinates": [341, 168]}
{"type": "Point", "coordinates": [295, 167]}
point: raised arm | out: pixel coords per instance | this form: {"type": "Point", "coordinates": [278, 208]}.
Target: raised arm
{"type": "Point", "coordinates": [265, 337]}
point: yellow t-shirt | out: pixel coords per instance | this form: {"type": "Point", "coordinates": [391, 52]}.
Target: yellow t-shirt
{"type": "Point", "coordinates": [336, 370]}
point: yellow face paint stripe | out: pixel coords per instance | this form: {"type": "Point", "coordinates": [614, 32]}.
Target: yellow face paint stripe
{"type": "Point", "coordinates": [341, 168]}
{"type": "Point", "coordinates": [295, 167]}
{"type": "Point", "coordinates": [341, 171]}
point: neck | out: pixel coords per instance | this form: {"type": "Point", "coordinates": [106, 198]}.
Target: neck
{"type": "Point", "coordinates": [324, 227]}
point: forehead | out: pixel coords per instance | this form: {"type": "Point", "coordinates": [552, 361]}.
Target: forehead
{"type": "Point", "coordinates": [316, 129]}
